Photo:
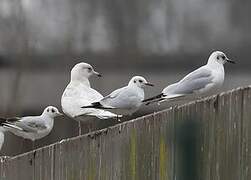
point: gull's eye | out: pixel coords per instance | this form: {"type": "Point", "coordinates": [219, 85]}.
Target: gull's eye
{"type": "Point", "coordinates": [89, 69]}
{"type": "Point", "coordinates": [52, 110]}
{"type": "Point", "coordinates": [140, 81]}
{"type": "Point", "coordinates": [223, 57]}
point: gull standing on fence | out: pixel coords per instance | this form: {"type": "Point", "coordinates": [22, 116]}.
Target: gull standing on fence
{"type": "Point", "coordinates": [32, 127]}
{"type": "Point", "coordinates": [203, 81]}
{"type": "Point", "coordinates": [125, 100]}
{"type": "Point", "coordinates": [79, 93]}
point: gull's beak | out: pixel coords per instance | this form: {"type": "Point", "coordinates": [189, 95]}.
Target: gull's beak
{"type": "Point", "coordinates": [149, 84]}
{"type": "Point", "coordinates": [60, 114]}
{"type": "Point", "coordinates": [99, 75]}
{"type": "Point", "coordinates": [230, 61]}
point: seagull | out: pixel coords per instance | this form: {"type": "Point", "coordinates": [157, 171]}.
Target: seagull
{"type": "Point", "coordinates": [32, 127]}
{"type": "Point", "coordinates": [79, 93]}
{"type": "Point", "coordinates": [126, 100]}
{"type": "Point", "coordinates": [204, 80]}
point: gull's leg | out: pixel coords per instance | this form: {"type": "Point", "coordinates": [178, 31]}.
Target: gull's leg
{"type": "Point", "coordinates": [118, 118]}
{"type": "Point", "coordinates": [79, 128]}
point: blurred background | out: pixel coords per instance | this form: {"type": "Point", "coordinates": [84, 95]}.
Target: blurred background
{"type": "Point", "coordinates": [162, 40]}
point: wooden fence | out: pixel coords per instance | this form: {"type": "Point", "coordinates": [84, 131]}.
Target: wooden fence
{"type": "Point", "coordinates": [208, 139]}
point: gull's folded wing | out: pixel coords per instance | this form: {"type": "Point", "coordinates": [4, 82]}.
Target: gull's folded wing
{"type": "Point", "coordinates": [193, 82]}
{"type": "Point", "coordinates": [32, 127]}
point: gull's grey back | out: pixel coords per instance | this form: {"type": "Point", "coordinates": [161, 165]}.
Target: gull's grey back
{"type": "Point", "coordinates": [194, 81]}
{"type": "Point", "coordinates": [126, 97]}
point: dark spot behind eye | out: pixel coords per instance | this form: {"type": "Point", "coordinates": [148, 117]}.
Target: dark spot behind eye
{"type": "Point", "coordinates": [217, 57]}
{"type": "Point", "coordinates": [134, 81]}
{"type": "Point", "coordinates": [48, 110]}
{"type": "Point", "coordinates": [52, 110]}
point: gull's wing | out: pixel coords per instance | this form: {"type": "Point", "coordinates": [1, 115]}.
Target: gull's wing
{"type": "Point", "coordinates": [27, 124]}
{"type": "Point", "coordinates": [73, 108]}
{"type": "Point", "coordinates": [91, 95]}
{"type": "Point", "coordinates": [194, 81]}
{"type": "Point", "coordinates": [74, 97]}
{"type": "Point", "coordinates": [81, 92]}
{"type": "Point", "coordinates": [34, 126]}
{"type": "Point", "coordinates": [20, 126]}
{"type": "Point", "coordinates": [123, 98]}
{"type": "Point", "coordinates": [109, 100]}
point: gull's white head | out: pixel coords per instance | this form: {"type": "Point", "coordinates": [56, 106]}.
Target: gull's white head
{"type": "Point", "coordinates": [219, 57]}
{"type": "Point", "coordinates": [82, 70]}
{"type": "Point", "coordinates": [139, 81]}
{"type": "Point", "coordinates": [52, 112]}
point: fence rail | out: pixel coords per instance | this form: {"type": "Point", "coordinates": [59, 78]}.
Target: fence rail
{"type": "Point", "coordinates": [206, 139]}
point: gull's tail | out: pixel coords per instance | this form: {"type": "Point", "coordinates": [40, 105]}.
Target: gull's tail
{"type": "Point", "coordinates": [101, 114]}
{"type": "Point", "coordinates": [154, 99]}
{"type": "Point", "coordinates": [93, 105]}
{"type": "Point", "coordinates": [171, 97]}
{"type": "Point", "coordinates": [161, 98]}
{"type": "Point", "coordinates": [8, 123]}
{"type": "Point", "coordinates": [97, 105]}
{"type": "Point", "coordinates": [11, 126]}
{"type": "Point", "coordinates": [2, 120]}
{"type": "Point", "coordinates": [8, 120]}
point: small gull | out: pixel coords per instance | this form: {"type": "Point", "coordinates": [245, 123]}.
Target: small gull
{"type": "Point", "coordinates": [32, 127]}
{"type": "Point", "coordinates": [126, 100]}
{"type": "Point", "coordinates": [79, 93]}
{"type": "Point", "coordinates": [203, 81]}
